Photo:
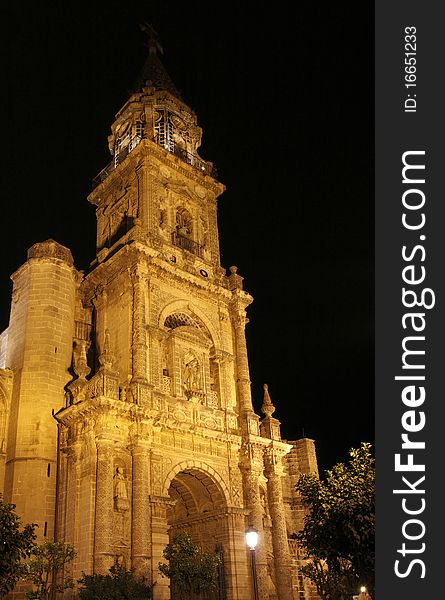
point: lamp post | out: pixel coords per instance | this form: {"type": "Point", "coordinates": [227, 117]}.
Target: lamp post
{"type": "Point", "coordinates": [252, 541]}
{"type": "Point", "coordinates": [363, 594]}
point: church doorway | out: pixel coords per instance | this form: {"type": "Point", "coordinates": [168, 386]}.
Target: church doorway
{"type": "Point", "coordinates": [200, 509]}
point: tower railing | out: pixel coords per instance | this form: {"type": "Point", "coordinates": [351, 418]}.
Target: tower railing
{"type": "Point", "coordinates": [192, 159]}
{"type": "Point", "coordinates": [188, 157]}
{"type": "Point", "coordinates": [186, 243]}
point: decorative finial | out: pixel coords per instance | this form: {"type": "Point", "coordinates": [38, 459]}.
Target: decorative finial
{"type": "Point", "coordinates": [268, 408]}
{"type": "Point", "coordinates": [152, 38]}
{"type": "Point", "coordinates": [81, 368]}
{"type": "Point", "coordinates": [106, 359]}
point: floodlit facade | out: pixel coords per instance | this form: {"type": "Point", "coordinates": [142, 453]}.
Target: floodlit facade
{"type": "Point", "coordinates": [125, 402]}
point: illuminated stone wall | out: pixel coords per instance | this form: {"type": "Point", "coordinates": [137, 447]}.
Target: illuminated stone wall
{"type": "Point", "coordinates": [39, 354]}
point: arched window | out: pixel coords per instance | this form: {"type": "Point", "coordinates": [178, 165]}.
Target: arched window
{"type": "Point", "coordinates": [180, 319]}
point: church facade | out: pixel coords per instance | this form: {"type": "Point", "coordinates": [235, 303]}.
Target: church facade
{"type": "Point", "coordinates": [125, 402]}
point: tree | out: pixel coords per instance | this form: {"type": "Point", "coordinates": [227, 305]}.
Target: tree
{"type": "Point", "coordinates": [15, 545]}
{"type": "Point", "coordinates": [44, 568]}
{"type": "Point", "coordinates": [120, 584]}
{"type": "Point", "coordinates": [338, 533]}
{"type": "Point", "coordinates": [189, 569]}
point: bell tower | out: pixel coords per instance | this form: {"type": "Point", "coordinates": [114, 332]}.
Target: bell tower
{"type": "Point", "coordinates": [158, 432]}
{"type": "Point", "coordinates": [160, 136]}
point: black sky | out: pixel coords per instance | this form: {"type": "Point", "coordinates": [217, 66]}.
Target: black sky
{"type": "Point", "coordinates": [283, 92]}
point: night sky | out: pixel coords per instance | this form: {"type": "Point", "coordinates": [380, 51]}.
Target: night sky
{"type": "Point", "coordinates": [284, 94]}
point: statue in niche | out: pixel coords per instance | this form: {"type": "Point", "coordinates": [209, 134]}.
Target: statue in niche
{"type": "Point", "coordinates": [265, 512]}
{"type": "Point", "coordinates": [120, 485]}
{"type": "Point", "coordinates": [120, 493]}
{"type": "Point", "coordinates": [263, 503]}
{"type": "Point", "coordinates": [184, 222]}
{"type": "Point", "coordinates": [191, 374]}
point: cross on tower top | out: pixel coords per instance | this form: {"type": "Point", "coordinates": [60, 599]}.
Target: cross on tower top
{"type": "Point", "coordinates": [152, 38]}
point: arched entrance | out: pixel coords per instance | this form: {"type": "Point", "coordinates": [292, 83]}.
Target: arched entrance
{"type": "Point", "coordinates": [201, 509]}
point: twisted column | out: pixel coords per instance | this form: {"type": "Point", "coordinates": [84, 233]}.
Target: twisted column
{"type": "Point", "coordinates": [103, 539]}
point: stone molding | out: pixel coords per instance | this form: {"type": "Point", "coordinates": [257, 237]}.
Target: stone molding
{"type": "Point", "coordinates": [51, 249]}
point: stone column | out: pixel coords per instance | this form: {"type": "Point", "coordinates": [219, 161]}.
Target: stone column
{"type": "Point", "coordinates": [100, 309]}
{"type": "Point", "coordinates": [236, 560]}
{"type": "Point", "coordinates": [71, 500]}
{"type": "Point", "coordinates": [103, 535]}
{"type": "Point", "coordinates": [139, 341]}
{"type": "Point", "coordinates": [280, 544]}
{"type": "Point", "coordinates": [159, 529]}
{"type": "Point", "coordinates": [213, 228]}
{"type": "Point", "coordinates": [141, 215]}
{"type": "Point", "coordinates": [228, 398]}
{"type": "Point", "coordinates": [141, 509]}
{"type": "Point", "coordinates": [147, 199]}
{"type": "Point", "coordinates": [205, 372]}
{"type": "Point", "coordinates": [155, 344]}
{"type": "Point", "coordinates": [252, 495]}
{"type": "Point", "coordinates": [176, 371]}
{"type": "Point", "coordinates": [242, 363]}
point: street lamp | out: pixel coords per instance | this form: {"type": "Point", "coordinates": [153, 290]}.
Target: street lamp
{"type": "Point", "coordinates": [252, 541]}
{"type": "Point", "coordinates": [363, 594]}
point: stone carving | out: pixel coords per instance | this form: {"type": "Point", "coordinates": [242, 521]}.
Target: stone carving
{"type": "Point", "coordinates": [51, 249]}
{"type": "Point", "coordinates": [121, 502]}
{"type": "Point", "coordinates": [212, 399]}
{"type": "Point", "coordinates": [267, 408]}
{"type": "Point", "coordinates": [156, 469]}
{"type": "Point", "coordinates": [191, 375]}
{"type": "Point", "coordinates": [106, 357]}
{"type": "Point", "coordinates": [166, 384]}
{"type": "Point", "coordinates": [123, 393]}
{"type": "Point", "coordinates": [120, 485]}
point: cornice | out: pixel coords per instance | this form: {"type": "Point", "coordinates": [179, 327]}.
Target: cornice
{"type": "Point", "coordinates": [142, 157]}
{"type": "Point", "coordinates": [129, 255]}
{"type": "Point", "coordinates": [151, 149]}
{"type": "Point", "coordinates": [104, 413]}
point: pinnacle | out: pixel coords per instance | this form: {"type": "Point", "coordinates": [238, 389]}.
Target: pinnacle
{"type": "Point", "coordinates": [268, 408]}
{"type": "Point", "coordinates": [153, 72]}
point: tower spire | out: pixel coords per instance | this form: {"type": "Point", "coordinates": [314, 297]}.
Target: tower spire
{"type": "Point", "coordinates": [153, 73]}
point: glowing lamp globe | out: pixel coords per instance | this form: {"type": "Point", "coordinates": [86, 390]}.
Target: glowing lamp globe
{"type": "Point", "coordinates": [252, 538]}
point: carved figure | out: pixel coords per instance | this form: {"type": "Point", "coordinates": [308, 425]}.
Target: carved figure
{"type": "Point", "coordinates": [191, 375]}
{"type": "Point", "coordinates": [120, 485]}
